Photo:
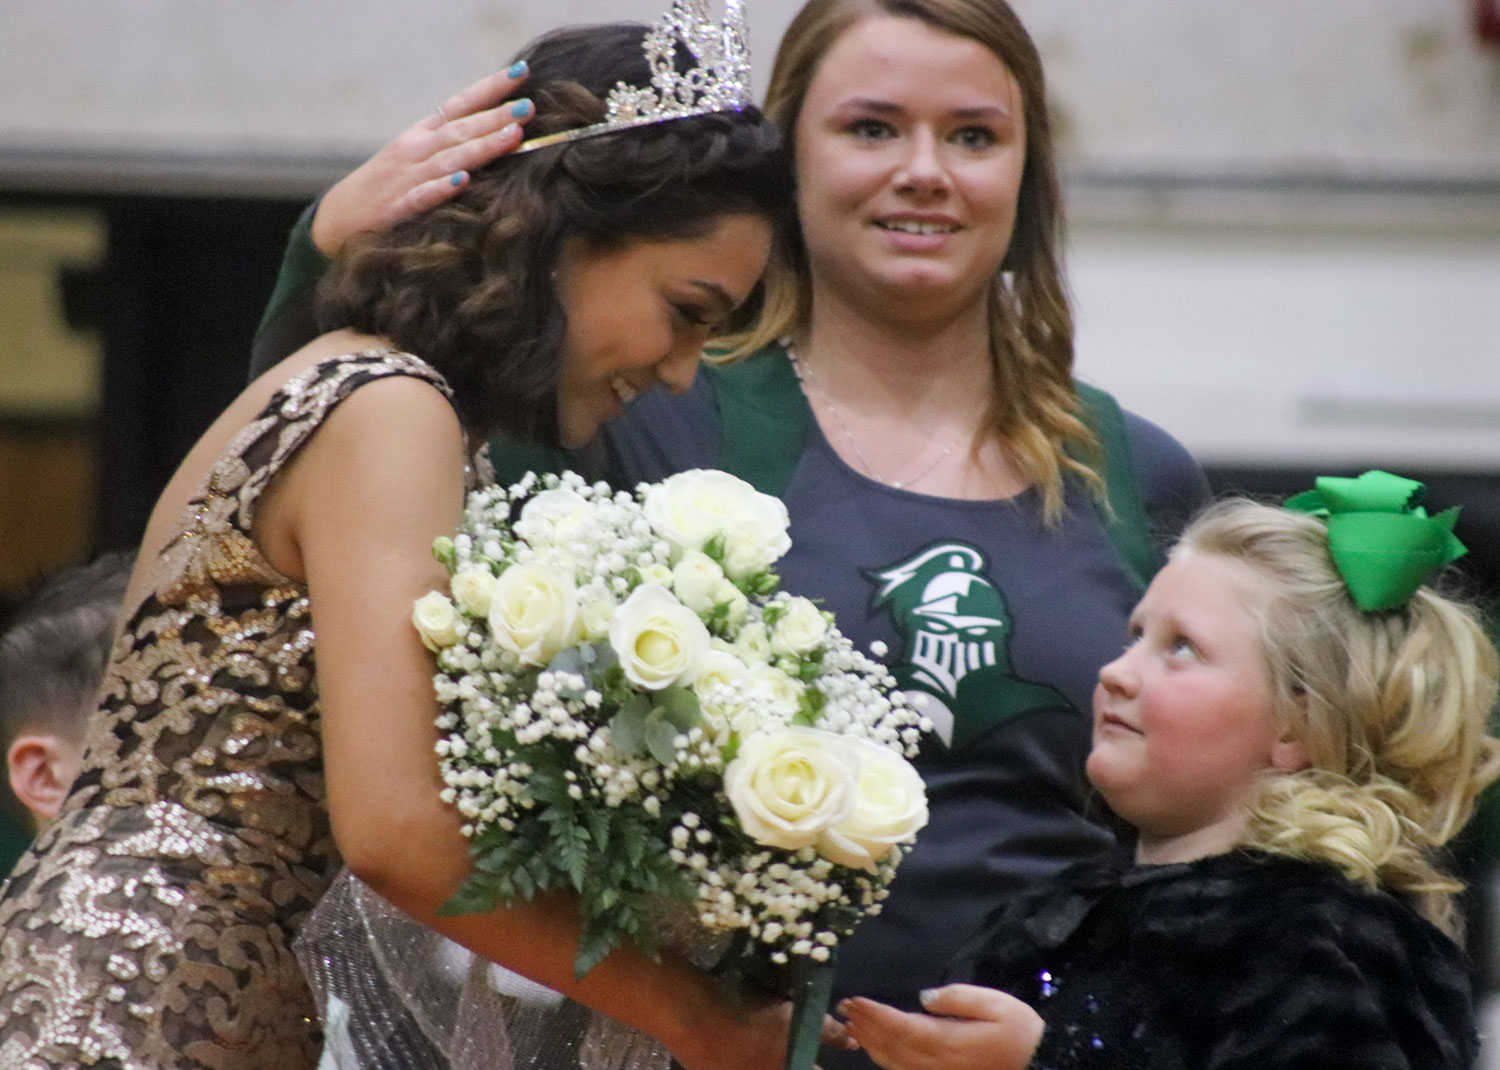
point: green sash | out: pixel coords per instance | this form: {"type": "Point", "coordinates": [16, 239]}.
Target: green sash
{"type": "Point", "coordinates": [766, 422]}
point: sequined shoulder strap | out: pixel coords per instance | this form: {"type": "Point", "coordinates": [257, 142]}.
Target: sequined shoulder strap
{"type": "Point", "coordinates": [214, 542]}
{"type": "Point", "coordinates": [293, 414]}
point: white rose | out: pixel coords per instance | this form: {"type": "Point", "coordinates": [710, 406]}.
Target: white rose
{"type": "Point", "coordinates": [788, 786]}
{"type": "Point", "coordinates": [436, 620]}
{"type": "Point", "coordinates": [776, 686]}
{"type": "Point", "coordinates": [533, 613]}
{"type": "Point", "coordinates": [716, 668]}
{"type": "Point", "coordinates": [801, 629]}
{"type": "Point", "coordinates": [658, 639]}
{"type": "Point", "coordinates": [739, 606]}
{"type": "Point", "coordinates": [553, 517]}
{"type": "Point", "coordinates": [472, 589]}
{"type": "Point", "coordinates": [660, 575]}
{"type": "Point", "coordinates": [890, 805]}
{"type": "Point", "coordinates": [690, 508]}
{"type": "Point", "coordinates": [596, 614]}
{"type": "Point", "coordinates": [746, 720]}
{"type": "Point", "coordinates": [753, 644]}
{"type": "Point", "coordinates": [557, 558]}
{"type": "Point", "coordinates": [696, 581]}
{"type": "Point", "coordinates": [758, 538]}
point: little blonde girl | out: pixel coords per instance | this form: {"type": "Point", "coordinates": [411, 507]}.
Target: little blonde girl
{"type": "Point", "coordinates": [1295, 729]}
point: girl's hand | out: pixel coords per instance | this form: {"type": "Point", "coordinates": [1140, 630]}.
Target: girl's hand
{"type": "Point", "coordinates": [427, 163]}
{"type": "Point", "coordinates": [966, 1028]}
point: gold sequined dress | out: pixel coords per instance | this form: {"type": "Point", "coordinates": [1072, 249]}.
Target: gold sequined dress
{"type": "Point", "coordinates": [150, 925]}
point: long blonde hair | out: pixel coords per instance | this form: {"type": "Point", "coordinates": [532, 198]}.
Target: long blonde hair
{"type": "Point", "coordinates": [1390, 708]}
{"type": "Point", "coordinates": [1035, 409]}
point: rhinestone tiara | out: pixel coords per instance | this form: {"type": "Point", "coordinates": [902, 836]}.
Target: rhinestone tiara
{"type": "Point", "coordinates": [718, 81]}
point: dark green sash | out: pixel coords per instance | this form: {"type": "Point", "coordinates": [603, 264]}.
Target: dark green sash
{"type": "Point", "coordinates": [766, 422]}
{"type": "Point", "coordinates": [1125, 520]}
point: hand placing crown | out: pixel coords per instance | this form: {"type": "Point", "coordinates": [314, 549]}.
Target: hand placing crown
{"type": "Point", "coordinates": [718, 81]}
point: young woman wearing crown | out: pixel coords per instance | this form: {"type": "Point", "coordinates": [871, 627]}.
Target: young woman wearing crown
{"type": "Point", "coordinates": [227, 772]}
{"type": "Point", "coordinates": [955, 495]}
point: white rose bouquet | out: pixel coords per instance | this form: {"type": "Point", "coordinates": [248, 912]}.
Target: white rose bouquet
{"type": "Point", "coordinates": [633, 711]}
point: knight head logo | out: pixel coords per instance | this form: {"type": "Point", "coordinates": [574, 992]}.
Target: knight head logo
{"type": "Point", "coordinates": [957, 631]}
{"type": "Point", "coordinates": [952, 617]}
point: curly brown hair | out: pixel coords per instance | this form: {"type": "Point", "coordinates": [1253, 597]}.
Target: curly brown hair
{"type": "Point", "coordinates": [469, 286]}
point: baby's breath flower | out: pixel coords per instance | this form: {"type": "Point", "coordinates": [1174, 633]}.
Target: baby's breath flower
{"type": "Point", "coordinates": [517, 735]}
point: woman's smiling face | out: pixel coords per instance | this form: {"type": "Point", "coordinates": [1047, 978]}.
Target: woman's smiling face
{"type": "Point", "coordinates": [641, 314]}
{"type": "Point", "coordinates": [910, 148]}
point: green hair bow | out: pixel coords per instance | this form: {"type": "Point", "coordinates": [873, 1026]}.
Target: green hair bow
{"type": "Point", "coordinates": [1382, 540]}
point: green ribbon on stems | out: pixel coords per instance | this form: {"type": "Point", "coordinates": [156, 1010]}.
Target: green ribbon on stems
{"type": "Point", "coordinates": [1383, 542]}
{"type": "Point", "coordinates": [812, 987]}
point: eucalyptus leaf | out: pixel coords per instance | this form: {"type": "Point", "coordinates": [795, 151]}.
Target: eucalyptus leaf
{"type": "Point", "coordinates": [661, 737]}
{"type": "Point", "coordinates": [611, 682]}
{"type": "Point", "coordinates": [627, 729]}
{"type": "Point", "coordinates": [569, 660]}
{"type": "Point", "coordinates": [600, 656]}
{"type": "Point", "coordinates": [681, 707]}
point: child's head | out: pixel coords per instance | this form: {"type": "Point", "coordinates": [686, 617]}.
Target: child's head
{"type": "Point", "coordinates": [1387, 706]}
{"type": "Point", "coordinates": [1186, 723]}
{"type": "Point", "coordinates": [52, 659]}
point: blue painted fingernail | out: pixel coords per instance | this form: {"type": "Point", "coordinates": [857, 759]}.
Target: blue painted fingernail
{"type": "Point", "coordinates": [521, 108]}
{"type": "Point", "coordinates": [457, 179]}
{"type": "Point", "coordinates": [517, 68]}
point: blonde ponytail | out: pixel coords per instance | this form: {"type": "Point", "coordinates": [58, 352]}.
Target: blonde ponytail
{"type": "Point", "coordinates": [1389, 706]}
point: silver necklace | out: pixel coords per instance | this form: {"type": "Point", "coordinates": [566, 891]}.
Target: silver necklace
{"type": "Point", "coordinates": [810, 386]}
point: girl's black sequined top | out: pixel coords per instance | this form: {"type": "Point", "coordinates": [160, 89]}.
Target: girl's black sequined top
{"type": "Point", "coordinates": [1241, 961]}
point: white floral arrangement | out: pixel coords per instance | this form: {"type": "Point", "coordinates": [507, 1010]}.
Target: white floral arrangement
{"type": "Point", "coordinates": [633, 710]}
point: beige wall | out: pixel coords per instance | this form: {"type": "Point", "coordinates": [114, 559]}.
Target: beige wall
{"type": "Point", "coordinates": [1279, 209]}
{"type": "Point", "coordinates": [47, 369]}
{"type": "Point", "coordinates": [1327, 85]}
{"type": "Point", "coordinates": [49, 397]}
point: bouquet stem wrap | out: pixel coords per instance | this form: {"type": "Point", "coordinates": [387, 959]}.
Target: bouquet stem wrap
{"type": "Point", "coordinates": [811, 990]}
